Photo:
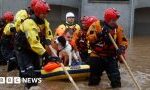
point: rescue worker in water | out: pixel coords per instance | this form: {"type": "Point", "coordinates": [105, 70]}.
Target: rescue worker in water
{"type": "Point", "coordinates": [7, 41]}
{"type": "Point", "coordinates": [34, 33]}
{"type": "Point", "coordinates": [104, 56]}
{"type": "Point", "coordinates": [81, 41]}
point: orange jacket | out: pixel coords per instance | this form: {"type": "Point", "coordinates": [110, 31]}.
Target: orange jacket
{"type": "Point", "coordinates": [117, 34]}
{"type": "Point", "coordinates": [61, 29]}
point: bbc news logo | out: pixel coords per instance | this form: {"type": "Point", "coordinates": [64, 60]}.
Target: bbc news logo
{"type": "Point", "coordinates": [18, 80]}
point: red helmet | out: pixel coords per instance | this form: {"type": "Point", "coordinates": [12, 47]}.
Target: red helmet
{"type": "Point", "coordinates": [111, 13]}
{"type": "Point", "coordinates": [32, 3]}
{"type": "Point", "coordinates": [8, 16]}
{"type": "Point", "coordinates": [88, 20]}
{"type": "Point", "coordinates": [41, 8]}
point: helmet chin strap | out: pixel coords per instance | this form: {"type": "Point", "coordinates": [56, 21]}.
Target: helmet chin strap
{"type": "Point", "coordinates": [69, 23]}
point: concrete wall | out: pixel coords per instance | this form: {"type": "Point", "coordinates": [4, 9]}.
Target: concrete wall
{"type": "Point", "coordinates": [141, 18]}
{"type": "Point", "coordinates": [142, 3]}
{"type": "Point", "coordinates": [142, 22]}
{"type": "Point", "coordinates": [71, 3]}
{"type": "Point", "coordinates": [12, 5]}
{"type": "Point", "coordinates": [97, 9]}
{"type": "Point", "coordinates": [15, 5]}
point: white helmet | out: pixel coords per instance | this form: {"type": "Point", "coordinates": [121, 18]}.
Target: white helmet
{"type": "Point", "coordinates": [69, 14]}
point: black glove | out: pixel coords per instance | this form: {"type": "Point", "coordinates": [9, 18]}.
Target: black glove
{"type": "Point", "coordinates": [49, 58]}
{"type": "Point", "coordinates": [106, 29]}
{"type": "Point", "coordinates": [55, 59]}
{"type": "Point", "coordinates": [121, 50]}
{"type": "Point", "coordinates": [104, 33]}
{"type": "Point", "coordinates": [46, 42]}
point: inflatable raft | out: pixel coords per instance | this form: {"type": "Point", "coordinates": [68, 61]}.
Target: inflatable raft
{"type": "Point", "coordinates": [58, 73]}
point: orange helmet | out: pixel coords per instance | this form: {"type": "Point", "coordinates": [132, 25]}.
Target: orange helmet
{"type": "Point", "coordinates": [8, 16]}
{"type": "Point", "coordinates": [111, 13]}
{"type": "Point", "coordinates": [41, 8]}
{"type": "Point", "coordinates": [88, 20]}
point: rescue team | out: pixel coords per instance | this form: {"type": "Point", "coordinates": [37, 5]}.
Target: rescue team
{"type": "Point", "coordinates": [28, 37]}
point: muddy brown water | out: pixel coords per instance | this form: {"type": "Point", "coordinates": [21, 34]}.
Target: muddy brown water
{"type": "Point", "coordinates": [138, 58]}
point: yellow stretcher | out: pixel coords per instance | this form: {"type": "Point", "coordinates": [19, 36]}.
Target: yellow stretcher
{"type": "Point", "coordinates": [59, 74]}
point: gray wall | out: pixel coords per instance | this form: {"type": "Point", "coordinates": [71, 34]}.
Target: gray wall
{"type": "Point", "coordinates": [15, 5]}
{"type": "Point", "coordinates": [141, 18]}
{"type": "Point", "coordinates": [97, 9]}
{"type": "Point", "coordinates": [142, 3]}
{"type": "Point", "coordinates": [12, 5]}
{"type": "Point", "coordinates": [71, 3]}
{"type": "Point", "coordinates": [142, 22]}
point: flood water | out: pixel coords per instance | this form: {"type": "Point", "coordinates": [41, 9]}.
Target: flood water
{"type": "Point", "coordinates": [138, 58]}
